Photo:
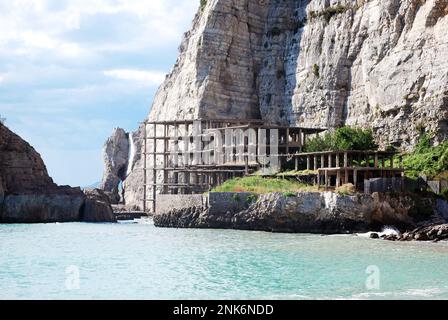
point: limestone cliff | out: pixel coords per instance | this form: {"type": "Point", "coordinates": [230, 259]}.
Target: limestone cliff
{"type": "Point", "coordinates": [320, 63]}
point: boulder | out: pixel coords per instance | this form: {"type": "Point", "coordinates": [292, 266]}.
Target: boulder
{"type": "Point", "coordinates": [97, 207]}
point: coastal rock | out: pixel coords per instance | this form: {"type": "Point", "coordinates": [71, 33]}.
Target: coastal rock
{"type": "Point", "coordinates": [308, 212]}
{"type": "Point", "coordinates": [29, 195]}
{"type": "Point", "coordinates": [97, 207]}
{"type": "Point", "coordinates": [61, 206]}
{"type": "Point", "coordinates": [437, 232]}
{"type": "Point", "coordinates": [116, 162]}
{"type": "Point", "coordinates": [312, 63]}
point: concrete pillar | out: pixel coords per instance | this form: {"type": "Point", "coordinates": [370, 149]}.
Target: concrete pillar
{"type": "Point", "coordinates": [315, 163]}
{"type": "Point", "coordinates": [308, 163]}
{"type": "Point", "coordinates": [338, 178]}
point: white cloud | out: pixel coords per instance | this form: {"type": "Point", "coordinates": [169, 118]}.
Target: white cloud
{"type": "Point", "coordinates": [84, 64]}
{"type": "Point", "coordinates": [44, 24]}
{"type": "Point", "coordinates": [148, 77]}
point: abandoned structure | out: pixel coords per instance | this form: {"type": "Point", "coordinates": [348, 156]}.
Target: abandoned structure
{"type": "Point", "coordinates": [194, 156]}
{"type": "Point", "coordinates": [335, 168]}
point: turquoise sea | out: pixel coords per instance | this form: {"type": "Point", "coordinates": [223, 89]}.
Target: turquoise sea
{"type": "Point", "coordinates": [139, 261]}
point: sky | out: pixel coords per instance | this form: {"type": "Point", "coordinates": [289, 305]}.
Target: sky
{"type": "Point", "coordinates": [72, 70]}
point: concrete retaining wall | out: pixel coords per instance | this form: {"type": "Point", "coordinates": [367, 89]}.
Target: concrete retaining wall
{"type": "Point", "coordinates": [390, 185]}
{"type": "Point", "coordinates": [167, 202]}
{"type": "Point", "coordinates": [216, 202]}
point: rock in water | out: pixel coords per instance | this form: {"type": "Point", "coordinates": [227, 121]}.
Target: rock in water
{"type": "Point", "coordinates": [434, 232]}
{"type": "Point", "coordinates": [97, 207]}
{"type": "Point", "coordinates": [312, 63]}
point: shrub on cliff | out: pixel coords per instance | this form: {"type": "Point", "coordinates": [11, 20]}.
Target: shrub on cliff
{"type": "Point", "coordinates": [261, 185]}
{"type": "Point", "coordinates": [345, 138]}
{"type": "Point", "coordinates": [426, 159]}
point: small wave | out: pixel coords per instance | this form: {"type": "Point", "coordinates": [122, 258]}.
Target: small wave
{"type": "Point", "coordinates": [144, 221]}
{"type": "Point", "coordinates": [417, 293]}
{"type": "Point", "coordinates": [387, 231]}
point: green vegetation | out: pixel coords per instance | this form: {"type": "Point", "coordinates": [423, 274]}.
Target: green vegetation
{"type": "Point", "coordinates": [296, 173]}
{"type": "Point", "coordinates": [444, 193]}
{"type": "Point", "coordinates": [346, 189]}
{"type": "Point", "coordinates": [236, 198]}
{"type": "Point", "coordinates": [260, 185]}
{"type": "Point", "coordinates": [345, 138]}
{"type": "Point", "coordinates": [203, 4]}
{"type": "Point", "coordinates": [251, 199]}
{"type": "Point", "coordinates": [289, 194]}
{"type": "Point", "coordinates": [329, 12]}
{"type": "Point", "coordinates": [426, 159]}
{"type": "Point", "coordinates": [316, 70]}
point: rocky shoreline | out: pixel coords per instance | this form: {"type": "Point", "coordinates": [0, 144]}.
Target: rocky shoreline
{"type": "Point", "coordinates": [315, 212]}
{"type": "Point", "coordinates": [430, 232]}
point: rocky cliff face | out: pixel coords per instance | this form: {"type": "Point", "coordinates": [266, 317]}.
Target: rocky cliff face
{"type": "Point", "coordinates": [317, 63]}
{"type": "Point", "coordinates": [29, 195]}
{"type": "Point", "coordinates": [379, 64]}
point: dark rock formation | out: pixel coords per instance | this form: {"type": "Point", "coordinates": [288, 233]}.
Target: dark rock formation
{"type": "Point", "coordinates": [435, 232]}
{"type": "Point", "coordinates": [309, 212]}
{"type": "Point", "coordinates": [97, 207]}
{"type": "Point", "coordinates": [27, 193]}
{"type": "Point", "coordinates": [374, 236]}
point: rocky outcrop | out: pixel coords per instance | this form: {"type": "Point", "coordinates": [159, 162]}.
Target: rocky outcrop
{"type": "Point", "coordinates": [58, 206]}
{"type": "Point", "coordinates": [27, 193]}
{"type": "Point", "coordinates": [311, 212]}
{"type": "Point", "coordinates": [97, 207]}
{"type": "Point", "coordinates": [432, 232]}
{"type": "Point", "coordinates": [319, 63]}
{"type": "Point", "coordinates": [116, 162]}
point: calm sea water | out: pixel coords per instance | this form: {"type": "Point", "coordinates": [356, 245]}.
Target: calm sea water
{"type": "Point", "coordinates": [139, 261]}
